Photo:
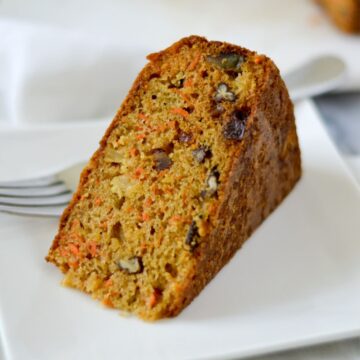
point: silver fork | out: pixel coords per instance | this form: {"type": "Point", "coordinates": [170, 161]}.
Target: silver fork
{"type": "Point", "coordinates": [41, 196]}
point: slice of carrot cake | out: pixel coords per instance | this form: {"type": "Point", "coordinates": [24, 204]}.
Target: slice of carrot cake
{"type": "Point", "coordinates": [201, 151]}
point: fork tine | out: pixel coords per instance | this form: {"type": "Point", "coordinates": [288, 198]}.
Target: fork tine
{"type": "Point", "coordinates": [36, 201]}
{"type": "Point", "coordinates": [56, 189]}
{"type": "Point", "coordinates": [36, 182]}
{"type": "Point", "coordinates": [43, 211]}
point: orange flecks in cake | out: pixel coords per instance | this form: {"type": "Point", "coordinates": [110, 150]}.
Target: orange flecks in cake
{"type": "Point", "coordinates": [98, 201]}
{"type": "Point", "coordinates": [108, 283]}
{"type": "Point", "coordinates": [148, 202]}
{"type": "Point", "coordinates": [161, 128]}
{"type": "Point", "coordinates": [145, 216]}
{"type": "Point", "coordinates": [180, 111]}
{"type": "Point", "coordinates": [169, 190]}
{"type": "Point", "coordinates": [259, 59]}
{"type": "Point", "coordinates": [152, 300]}
{"type": "Point", "coordinates": [84, 196]}
{"type": "Point", "coordinates": [75, 224]}
{"type": "Point", "coordinates": [194, 62]}
{"type": "Point", "coordinates": [177, 218]}
{"type": "Point", "coordinates": [92, 248]}
{"type": "Point", "coordinates": [129, 209]}
{"type": "Point", "coordinates": [188, 83]}
{"type": "Point", "coordinates": [64, 252]}
{"type": "Point", "coordinates": [140, 136]}
{"type": "Point", "coordinates": [76, 237]}
{"type": "Point", "coordinates": [107, 302]}
{"type": "Point", "coordinates": [74, 264]}
{"type": "Point", "coordinates": [134, 151]}
{"type": "Point", "coordinates": [184, 96]}
{"type": "Point", "coordinates": [138, 172]}
{"type": "Point", "coordinates": [155, 190]}
{"type": "Point", "coordinates": [143, 117]}
{"type": "Point", "coordinates": [74, 249]}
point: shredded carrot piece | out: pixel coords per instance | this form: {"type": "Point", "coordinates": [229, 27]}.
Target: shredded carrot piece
{"type": "Point", "coordinates": [74, 249]}
{"type": "Point", "coordinates": [129, 209]}
{"type": "Point", "coordinates": [92, 248]}
{"type": "Point", "coordinates": [258, 59]}
{"type": "Point", "coordinates": [98, 201]}
{"type": "Point", "coordinates": [76, 237]}
{"type": "Point", "coordinates": [141, 136]}
{"type": "Point", "coordinates": [152, 300]}
{"type": "Point", "coordinates": [138, 172]}
{"type": "Point", "coordinates": [75, 224]}
{"type": "Point", "coordinates": [194, 63]}
{"type": "Point", "coordinates": [184, 96]}
{"type": "Point", "coordinates": [168, 189]}
{"type": "Point", "coordinates": [188, 83]}
{"type": "Point", "coordinates": [63, 252]}
{"type": "Point", "coordinates": [161, 128]}
{"type": "Point", "coordinates": [134, 151]}
{"type": "Point", "coordinates": [176, 218]}
{"type": "Point", "coordinates": [179, 111]}
{"type": "Point", "coordinates": [74, 264]}
{"type": "Point", "coordinates": [155, 190]}
{"type": "Point", "coordinates": [145, 217]}
{"type": "Point", "coordinates": [107, 302]}
{"type": "Point", "coordinates": [149, 201]}
{"type": "Point", "coordinates": [143, 117]}
{"type": "Point", "coordinates": [108, 283]}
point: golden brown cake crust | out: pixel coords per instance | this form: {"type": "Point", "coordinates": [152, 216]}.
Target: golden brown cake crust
{"type": "Point", "coordinates": [257, 183]}
{"type": "Point", "coordinates": [267, 167]}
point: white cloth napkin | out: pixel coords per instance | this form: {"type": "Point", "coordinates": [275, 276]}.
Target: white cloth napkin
{"type": "Point", "coordinates": [83, 67]}
{"type": "Point", "coordinates": [51, 75]}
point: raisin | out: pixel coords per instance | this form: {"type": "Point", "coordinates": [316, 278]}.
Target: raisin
{"type": "Point", "coordinates": [235, 128]}
{"type": "Point", "coordinates": [227, 61]}
{"type": "Point", "coordinates": [192, 236]}
{"type": "Point", "coordinates": [133, 265]}
{"type": "Point", "coordinates": [223, 93]}
{"type": "Point", "coordinates": [201, 153]}
{"type": "Point", "coordinates": [162, 160]}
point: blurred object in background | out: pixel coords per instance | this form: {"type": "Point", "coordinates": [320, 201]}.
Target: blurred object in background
{"type": "Point", "coordinates": [341, 113]}
{"type": "Point", "coordinates": [344, 13]}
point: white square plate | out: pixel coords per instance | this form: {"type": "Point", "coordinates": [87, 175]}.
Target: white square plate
{"type": "Point", "coordinates": [295, 282]}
